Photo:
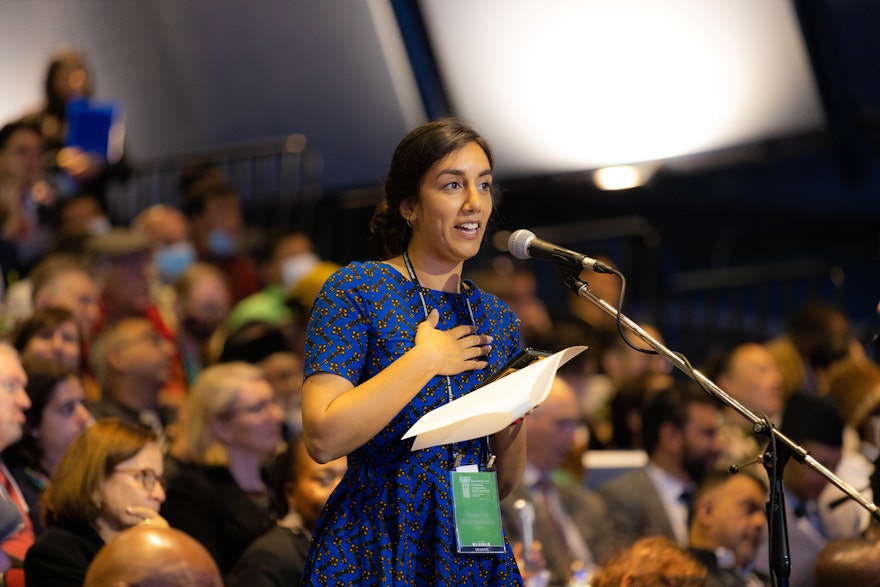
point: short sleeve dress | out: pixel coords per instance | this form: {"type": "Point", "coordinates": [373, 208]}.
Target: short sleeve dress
{"type": "Point", "coordinates": [390, 520]}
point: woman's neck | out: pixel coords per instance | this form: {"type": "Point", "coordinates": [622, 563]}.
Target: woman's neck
{"type": "Point", "coordinates": [434, 274]}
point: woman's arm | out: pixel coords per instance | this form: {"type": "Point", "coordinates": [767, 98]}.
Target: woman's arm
{"type": "Point", "coordinates": [509, 448]}
{"type": "Point", "coordinates": [339, 417]}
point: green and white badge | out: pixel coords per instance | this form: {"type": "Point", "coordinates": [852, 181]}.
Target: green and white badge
{"type": "Point", "coordinates": [477, 512]}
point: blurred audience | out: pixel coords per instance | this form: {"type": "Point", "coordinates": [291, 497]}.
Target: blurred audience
{"type": "Point", "coordinates": [213, 208]}
{"type": "Point", "coordinates": [109, 480]}
{"type": "Point", "coordinates": [268, 348]}
{"type": "Point", "coordinates": [217, 492]}
{"type": "Point", "coordinates": [300, 487]}
{"type": "Point", "coordinates": [68, 80]}
{"type": "Point", "coordinates": [75, 220]}
{"type": "Point", "coordinates": [292, 258]}
{"type": "Point", "coordinates": [570, 521]}
{"type": "Point", "coordinates": [25, 197]}
{"type": "Point", "coordinates": [817, 336]}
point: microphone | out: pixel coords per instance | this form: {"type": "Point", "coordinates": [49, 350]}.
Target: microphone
{"type": "Point", "coordinates": [523, 244]}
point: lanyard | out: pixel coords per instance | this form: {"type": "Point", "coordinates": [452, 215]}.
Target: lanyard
{"type": "Point", "coordinates": [467, 301]}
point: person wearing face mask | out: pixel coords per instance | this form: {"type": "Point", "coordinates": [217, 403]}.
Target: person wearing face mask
{"type": "Point", "coordinates": [268, 305]}
{"type": "Point", "coordinates": [212, 206]}
{"type": "Point", "coordinates": [174, 251]}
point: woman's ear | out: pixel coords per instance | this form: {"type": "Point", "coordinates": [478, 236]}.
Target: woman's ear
{"type": "Point", "coordinates": [408, 211]}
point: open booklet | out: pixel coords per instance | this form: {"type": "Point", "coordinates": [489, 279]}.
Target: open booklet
{"type": "Point", "coordinates": [492, 407]}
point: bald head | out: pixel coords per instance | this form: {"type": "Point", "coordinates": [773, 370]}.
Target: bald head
{"type": "Point", "coordinates": [165, 557]}
{"type": "Point", "coordinates": [854, 562]}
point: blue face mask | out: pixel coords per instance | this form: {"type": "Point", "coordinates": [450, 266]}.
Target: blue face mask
{"type": "Point", "coordinates": [173, 260]}
{"type": "Point", "coordinates": [221, 243]}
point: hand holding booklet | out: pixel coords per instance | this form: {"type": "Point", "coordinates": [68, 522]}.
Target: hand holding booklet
{"type": "Point", "coordinates": [492, 407]}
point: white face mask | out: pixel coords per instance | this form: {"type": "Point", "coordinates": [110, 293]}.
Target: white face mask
{"type": "Point", "coordinates": [98, 225]}
{"type": "Point", "coordinates": [293, 269]}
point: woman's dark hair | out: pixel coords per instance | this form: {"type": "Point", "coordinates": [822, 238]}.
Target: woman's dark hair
{"type": "Point", "coordinates": [55, 104]}
{"type": "Point", "coordinates": [41, 321]}
{"type": "Point", "coordinates": [43, 378]}
{"type": "Point", "coordinates": [416, 153]}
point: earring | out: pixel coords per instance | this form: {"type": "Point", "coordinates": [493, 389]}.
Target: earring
{"type": "Point", "coordinates": [409, 222]}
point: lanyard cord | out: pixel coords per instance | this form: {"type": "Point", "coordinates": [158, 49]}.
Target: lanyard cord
{"type": "Point", "coordinates": [412, 275]}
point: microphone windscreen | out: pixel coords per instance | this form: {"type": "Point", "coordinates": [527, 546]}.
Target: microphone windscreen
{"type": "Point", "coordinates": [518, 243]}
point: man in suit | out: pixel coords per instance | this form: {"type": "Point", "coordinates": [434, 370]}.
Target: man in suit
{"type": "Point", "coordinates": [726, 526]}
{"type": "Point", "coordinates": [570, 521]}
{"type": "Point", "coordinates": [680, 434]}
{"type": "Point", "coordinates": [814, 423]}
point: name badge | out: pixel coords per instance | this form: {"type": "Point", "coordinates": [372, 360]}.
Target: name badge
{"type": "Point", "coordinates": [477, 512]}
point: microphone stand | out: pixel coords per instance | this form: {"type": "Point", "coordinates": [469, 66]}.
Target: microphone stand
{"type": "Point", "coordinates": [774, 460]}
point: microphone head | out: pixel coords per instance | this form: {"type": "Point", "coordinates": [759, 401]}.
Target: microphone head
{"type": "Point", "coordinates": [518, 243]}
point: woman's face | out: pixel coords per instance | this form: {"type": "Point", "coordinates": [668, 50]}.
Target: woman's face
{"type": "Point", "coordinates": [59, 345]}
{"type": "Point", "coordinates": [449, 216]}
{"type": "Point", "coordinates": [254, 424]}
{"type": "Point", "coordinates": [125, 487]}
{"type": "Point", "coordinates": [64, 417]}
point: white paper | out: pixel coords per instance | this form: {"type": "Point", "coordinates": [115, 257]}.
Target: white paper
{"type": "Point", "coordinates": [490, 408]}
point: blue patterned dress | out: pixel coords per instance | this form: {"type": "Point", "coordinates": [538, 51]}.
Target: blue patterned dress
{"type": "Point", "coordinates": [390, 520]}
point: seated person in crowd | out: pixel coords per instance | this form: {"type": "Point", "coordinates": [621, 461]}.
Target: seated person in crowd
{"type": "Point", "coordinates": [212, 206]}
{"type": "Point", "coordinates": [109, 480]}
{"type": "Point", "coordinates": [56, 418]}
{"type": "Point", "coordinates": [680, 431]}
{"type": "Point", "coordinates": [300, 486]}
{"type": "Point", "coordinates": [165, 558]}
{"type": "Point", "coordinates": [16, 531]}
{"type": "Point", "coordinates": [216, 492]}
{"type": "Point", "coordinates": [201, 306]}
{"type": "Point", "coordinates": [749, 374]}
{"type": "Point", "coordinates": [132, 363]}
{"type": "Point", "coordinates": [570, 521]}
{"type": "Point", "coordinates": [727, 523]}
{"type": "Point", "coordinates": [51, 334]}
{"type": "Point", "coordinates": [268, 348]}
